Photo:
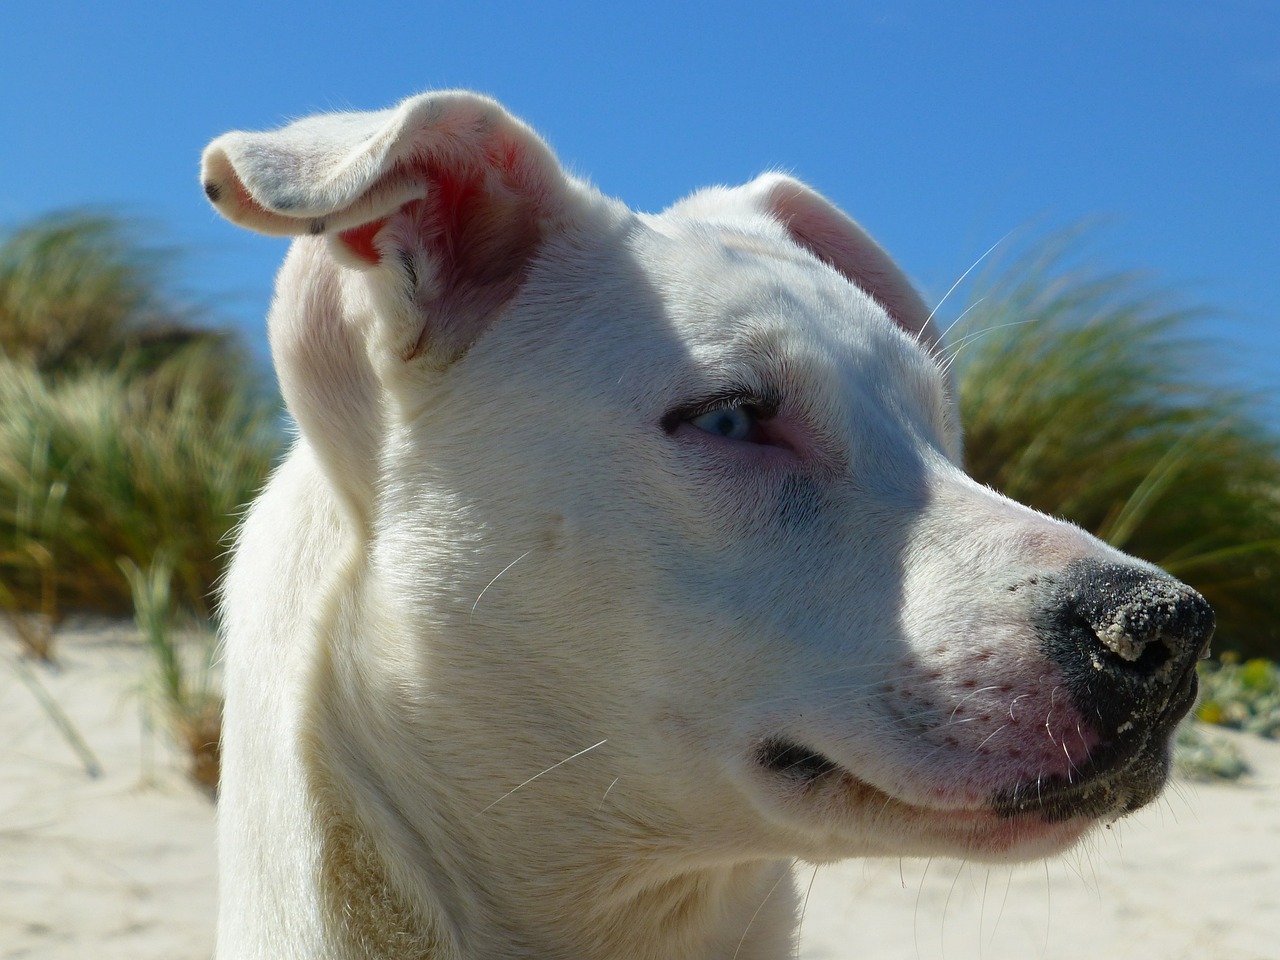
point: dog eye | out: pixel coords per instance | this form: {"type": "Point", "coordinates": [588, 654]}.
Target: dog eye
{"type": "Point", "coordinates": [740, 422]}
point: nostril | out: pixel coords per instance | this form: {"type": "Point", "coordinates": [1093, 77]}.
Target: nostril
{"type": "Point", "coordinates": [1158, 619]}
{"type": "Point", "coordinates": [1134, 617]}
{"type": "Point", "coordinates": [1152, 659]}
{"type": "Point", "coordinates": [1142, 649]}
{"type": "Point", "coordinates": [1113, 648]}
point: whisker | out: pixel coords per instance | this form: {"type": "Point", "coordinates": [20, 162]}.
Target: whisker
{"type": "Point", "coordinates": [606, 793]}
{"type": "Point", "coordinates": [992, 735]}
{"type": "Point", "coordinates": [973, 266]}
{"type": "Point", "coordinates": [1004, 901]}
{"type": "Point", "coordinates": [915, 922]}
{"type": "Point", "coordinates": [1048, 909]}
{"type": "Point", "coordinates": [982, 908]}
{"type": "Point", "coordinates": [955, 348]}
{"type": "Point", "coordinates": [548, 770]}
{"type": "Point", "coordinates": [946, 904]}
{"type": "Point", "coordinates": [967, 310]}
{"type": "Point", "coordinates": [782, 874]}
{"type": "Point", "coordinates": [969, 696]}
{"type": "Point", "coordinates": [495, 580]}
{"type": "Point", "coordinates": [804, 909]}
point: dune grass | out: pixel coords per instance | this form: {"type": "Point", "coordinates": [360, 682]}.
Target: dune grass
{"type": "Point", "coordinates": [128, 432]}
{"type": "Point", "coordinates": [182, 689]}
{"type": "Point", "coordinates": [81, 289]}
{"type": "Point", "coordinates": [95, 468]}
{"type": "Point", "coordinates": [1088, 397]}
{"type": "Point", "coordinates": [131, 438]}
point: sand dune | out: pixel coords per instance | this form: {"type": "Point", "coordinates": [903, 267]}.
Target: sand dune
{"type": "Point", "coordinates": [122, 866]}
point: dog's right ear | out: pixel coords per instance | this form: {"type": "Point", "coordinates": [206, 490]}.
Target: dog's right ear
{"type": "Point", "coordinates": [432, 210]}
{"type": "Point", "coordinates": [444, 199]}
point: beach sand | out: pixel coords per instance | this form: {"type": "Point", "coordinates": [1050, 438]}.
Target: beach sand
{"type": "Point", "coordinates": [122, 865]}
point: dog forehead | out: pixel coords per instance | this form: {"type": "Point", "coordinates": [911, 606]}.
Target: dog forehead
{"type": "Point", "coordinates": [726, 282]}
{"type": "Point", "coordinates": [667, 308]}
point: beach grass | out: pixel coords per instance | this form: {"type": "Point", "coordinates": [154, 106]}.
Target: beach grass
{"type": "Point", "coordinates": [132, 436]}
{"type": "Point", "coordinates": [129, 430]}
{"type": "Point", "coordinates": [182, 689]}
{"type": "Point", "coordinates": [99, 466]}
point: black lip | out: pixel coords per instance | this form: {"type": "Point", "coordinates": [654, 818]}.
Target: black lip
{"type": "Point", "coordinates": [1119, 777]}
{"type": "Point", "coordinates": [1096, 797]}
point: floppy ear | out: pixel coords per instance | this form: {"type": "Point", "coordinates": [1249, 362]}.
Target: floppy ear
{"type": "Point", "coordinates": [832, 236]}
{"type": "Point", "coordinates": [417, 225]}
{"type": "Point", "coordinates": [444, 199]}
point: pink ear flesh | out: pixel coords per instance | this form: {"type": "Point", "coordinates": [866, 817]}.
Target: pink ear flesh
{"type": "Point", "coordinates": [452, 197]}
{"type": "Point", "coordinates": [359, 240]}
{"type": "Point", "coordinates": [831, 236]}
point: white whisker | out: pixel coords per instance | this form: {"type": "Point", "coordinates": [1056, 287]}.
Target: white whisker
{"type": "Point", "coordinates": [606, 793]}
{"type": "Point", "coordinates": [804, 908]}
{"type": "Point", "coordinates": [954, 348]}
{"type": "Point", "coordinates": [991, 735]}
{"type": "Point", "coordinates": [781, 875]}
{"type": "Point", "coordinates": [537, 775]}
{"type": "Point", "coordinates": [495, 580]}
{"type": "Point", "coordinates": [972, 267]}
{"type": "Point", "coordinates": [969, 696]}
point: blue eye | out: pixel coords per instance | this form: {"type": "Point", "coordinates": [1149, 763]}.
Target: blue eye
{"type": "Point", "coordinates": [731, 423]}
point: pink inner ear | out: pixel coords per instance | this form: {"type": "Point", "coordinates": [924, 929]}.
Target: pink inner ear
{"type": "Point", "coordinates": [831, 236]}
{"type": "Point", "coordinates": [359, 240]}
{"type": "Point", "coordinates": [455, 199]}
{"type": "Point", "coordinates": [465, 246]}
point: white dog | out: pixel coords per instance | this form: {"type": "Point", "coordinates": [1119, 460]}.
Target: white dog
{"type": "Point", "coordinates": [623, 559]}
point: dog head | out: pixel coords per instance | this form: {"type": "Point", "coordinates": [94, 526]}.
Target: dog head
{"type": "Point", "coordinates": [686, 487]}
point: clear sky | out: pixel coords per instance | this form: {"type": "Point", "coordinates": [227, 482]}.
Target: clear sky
{"type": "Point", "coordinates": [940, 125]}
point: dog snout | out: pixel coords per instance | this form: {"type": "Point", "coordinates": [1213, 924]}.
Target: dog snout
{"type": "Point", "coordinates": [1127, 640]}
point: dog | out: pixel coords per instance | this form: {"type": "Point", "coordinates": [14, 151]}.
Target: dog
{"type": "Point", "coordinates": [622, 560]}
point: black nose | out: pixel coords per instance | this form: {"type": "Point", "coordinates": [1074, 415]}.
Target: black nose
{"type": "Point", "coordinates": [1127, 640]}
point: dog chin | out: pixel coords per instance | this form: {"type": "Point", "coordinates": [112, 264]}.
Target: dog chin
{"type": "Point", "coordinates": [1022, 821]}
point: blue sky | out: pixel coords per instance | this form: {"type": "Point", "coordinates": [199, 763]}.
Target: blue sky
{"type": "Point", "coordinates": [940, 125]}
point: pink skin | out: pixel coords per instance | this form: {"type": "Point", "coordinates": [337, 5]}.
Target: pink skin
{"type": "Point", "coordinates": [1016, 727]}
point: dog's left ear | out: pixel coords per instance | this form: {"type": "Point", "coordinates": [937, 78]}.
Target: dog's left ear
{"type": "Point", "coordinates": [442, 201]}
{"type": "Point", "coordinates": [832, 236]}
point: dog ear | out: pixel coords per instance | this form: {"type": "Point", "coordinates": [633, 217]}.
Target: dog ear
{"type": "Point", "coordinates": [442, 200]}
{"type": "Point", "coordinates": [416, 226]}
{"type": "Point", "coordinates": [832, 236]}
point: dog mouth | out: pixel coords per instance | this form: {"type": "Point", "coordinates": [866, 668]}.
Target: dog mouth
{"type": "Point", "coordinates": [1113, 784]}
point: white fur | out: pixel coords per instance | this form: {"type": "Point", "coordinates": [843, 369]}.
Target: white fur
{"type": "Point", "coordinates": [504, 635]}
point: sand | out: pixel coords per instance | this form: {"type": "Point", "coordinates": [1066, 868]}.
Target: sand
{"type": "Point", "coordinates": [122, 865]}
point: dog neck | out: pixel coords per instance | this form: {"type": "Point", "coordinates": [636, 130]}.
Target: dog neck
{"type": "Point", "coordinates": [409, 867]}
